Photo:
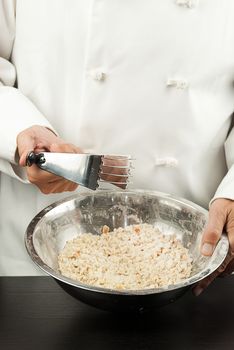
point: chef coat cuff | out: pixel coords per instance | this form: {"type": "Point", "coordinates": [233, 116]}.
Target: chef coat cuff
{"type": "Point", "coordinates": [226, 187]}
{"type": "Point", "coordinates": [17, 114]}
{"type": "Point", "coordinates": [15, 171]}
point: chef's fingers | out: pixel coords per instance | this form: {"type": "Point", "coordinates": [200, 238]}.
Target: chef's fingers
{"type": "Point", "coordinates": [58, 186]}
{"type": "Point", "coordinates": [25, 145]}
{"type": "Point", "coordinates": [203, 284]}
{"type": "Point", "coordinates": [229, 268]}
{"type": "Point", "coordinates": [229, 227]}
{"type": "Point", "coordinates": [32, 138]}
{"type": "Point", "coordinates": [48, 182]}
{"type": "Point", "coordinates": [214, 228]}
{"type": "Point", "coordinates": [211, 235]}
{"type": "Point", "coordinates": [38, 177]}
{"type": "Point", "coordinates": [221, 217]}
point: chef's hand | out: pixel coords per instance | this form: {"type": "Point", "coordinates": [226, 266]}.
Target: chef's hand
{"type": "Point", "coordinates": [39, 139]}
{"type": "Point", "coordinates": [221, 217]}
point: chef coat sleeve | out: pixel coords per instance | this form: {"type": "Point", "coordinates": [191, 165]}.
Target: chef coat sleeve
{"type": "Point", "coordinates": [226, 187]}
{"type": "Point", "coordinates": [16, 111]}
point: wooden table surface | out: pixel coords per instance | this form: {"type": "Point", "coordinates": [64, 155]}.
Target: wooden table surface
{"type": "Point", "coordinates": [35, 313]}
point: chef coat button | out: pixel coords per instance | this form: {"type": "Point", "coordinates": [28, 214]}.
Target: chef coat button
{"type": "Point", "coordinates": [166, 162]}
{"type": "Point", "coordinates": [187, 3]}
{"type": "Point", "coordinates": [177, 83]}
{"type": "Point", "coordinates": [98, 75]}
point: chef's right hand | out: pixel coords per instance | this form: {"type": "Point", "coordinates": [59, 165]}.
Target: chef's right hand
{"type": "Point", "coordinates": [38, 139]}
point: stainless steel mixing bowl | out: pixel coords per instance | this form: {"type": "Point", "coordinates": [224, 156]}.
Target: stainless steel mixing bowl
{"type": "Point", "coordinates": [88, 212]}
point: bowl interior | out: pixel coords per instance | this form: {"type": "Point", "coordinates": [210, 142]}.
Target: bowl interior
{"type": "Point", "coordinates": [50, 229]}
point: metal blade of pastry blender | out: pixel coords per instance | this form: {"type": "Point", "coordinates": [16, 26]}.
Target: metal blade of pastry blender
{"type": "Point", "coordinates": [82, 169]}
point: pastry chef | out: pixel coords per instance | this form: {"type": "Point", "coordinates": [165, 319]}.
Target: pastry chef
{"type": "Point", "coordinates": [154, 79]}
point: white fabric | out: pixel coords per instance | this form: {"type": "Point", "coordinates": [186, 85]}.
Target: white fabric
{"type": "Point", "coordinates": [97, 71]}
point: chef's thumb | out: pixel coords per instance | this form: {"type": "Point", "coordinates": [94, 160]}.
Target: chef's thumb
{"type": "Point", "coordinates": [213, 231]}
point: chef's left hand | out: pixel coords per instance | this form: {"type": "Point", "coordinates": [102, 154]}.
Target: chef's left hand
{"type": "Point", "coordinates": [221, 218]}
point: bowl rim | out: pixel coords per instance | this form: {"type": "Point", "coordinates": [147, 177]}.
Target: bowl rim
{"type": "Point", "coordinates": [223, 245]}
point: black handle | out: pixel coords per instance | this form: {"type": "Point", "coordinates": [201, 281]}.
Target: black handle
{"type": "Point", "coordinates": [35, 158]}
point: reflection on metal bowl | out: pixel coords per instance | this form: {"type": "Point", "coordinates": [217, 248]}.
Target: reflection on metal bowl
{"type": "Point", "coordinates": [48, 232]}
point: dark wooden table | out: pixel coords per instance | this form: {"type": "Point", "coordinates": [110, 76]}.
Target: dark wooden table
{"type": "Point", "coordinates": [35, 313]}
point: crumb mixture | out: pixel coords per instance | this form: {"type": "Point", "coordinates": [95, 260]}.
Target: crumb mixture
{"type": "Point", "coordinates": [134, 257]}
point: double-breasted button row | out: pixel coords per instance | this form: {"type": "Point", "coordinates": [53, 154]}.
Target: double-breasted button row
{"type": "Point", "coordinates": [182, 84]}
{"type": "Point", "coordinates": [100, 75]}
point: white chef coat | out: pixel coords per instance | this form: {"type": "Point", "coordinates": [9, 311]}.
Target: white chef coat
{"type": "Point", "coordinates": [150, 78]}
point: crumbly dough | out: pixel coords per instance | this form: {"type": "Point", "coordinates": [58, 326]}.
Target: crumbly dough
{"type": "Point", "coordinates": [131, 258]}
